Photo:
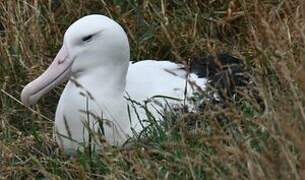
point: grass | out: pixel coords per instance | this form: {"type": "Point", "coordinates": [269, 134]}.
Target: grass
{"type": "Point", "coordinates": [251, 144]}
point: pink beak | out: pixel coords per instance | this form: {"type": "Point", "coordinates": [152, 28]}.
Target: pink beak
{"type": "Point", "coordinates": [57, 72]}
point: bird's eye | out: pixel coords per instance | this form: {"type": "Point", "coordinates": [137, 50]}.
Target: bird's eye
{"type": "Point", "coordinates": [87, 38]}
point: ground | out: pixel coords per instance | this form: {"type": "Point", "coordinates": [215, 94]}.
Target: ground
{"type": "Point", "coordinates": [241, 139]}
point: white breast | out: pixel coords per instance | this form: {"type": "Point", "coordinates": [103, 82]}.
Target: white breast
{"type": "Point", "coordinates": [77, 112]}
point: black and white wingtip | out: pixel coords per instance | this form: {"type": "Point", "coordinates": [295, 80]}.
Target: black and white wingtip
{"type": "Point", "coordinates": [224, 72]}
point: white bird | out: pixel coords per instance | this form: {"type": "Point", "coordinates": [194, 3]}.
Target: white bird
{"type": "Point", "coordinates": [95, 58]}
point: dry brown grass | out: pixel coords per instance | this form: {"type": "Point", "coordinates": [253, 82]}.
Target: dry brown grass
{"type": "Point", "coordinates": [269, 35]}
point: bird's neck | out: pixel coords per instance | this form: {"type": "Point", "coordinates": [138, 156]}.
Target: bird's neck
{"type": "Point", "coordinates": [106, 80]}
{"type": "Point", "coordinates": [106, 86]}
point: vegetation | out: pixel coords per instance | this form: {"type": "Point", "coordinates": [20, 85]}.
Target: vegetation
{"type": "Point", "coordinates": [254, 142]}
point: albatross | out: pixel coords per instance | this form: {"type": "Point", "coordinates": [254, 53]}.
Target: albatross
{"type": "Point", "coordinates": [104, 84]}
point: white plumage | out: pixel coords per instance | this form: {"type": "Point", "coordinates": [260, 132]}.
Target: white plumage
{"type": "Point", "coordinates": [95, 56]}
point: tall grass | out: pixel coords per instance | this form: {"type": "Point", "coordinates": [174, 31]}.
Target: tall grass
{"type": "Point", "coordinates": [251, 144]}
